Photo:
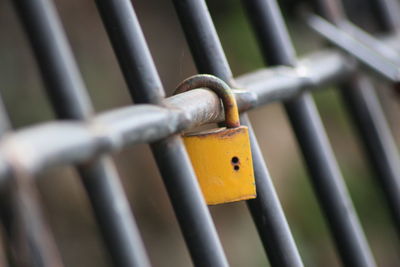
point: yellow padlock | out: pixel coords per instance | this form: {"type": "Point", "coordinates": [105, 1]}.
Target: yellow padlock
{"type": "Point", "coordinates": [221, 157]}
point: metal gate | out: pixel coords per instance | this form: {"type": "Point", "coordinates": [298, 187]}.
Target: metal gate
{"type": "Point", "coordinates": [86, 139]}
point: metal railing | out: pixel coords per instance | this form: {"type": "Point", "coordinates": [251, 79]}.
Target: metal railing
{"type": "Point", "coordinates": [86, 139]}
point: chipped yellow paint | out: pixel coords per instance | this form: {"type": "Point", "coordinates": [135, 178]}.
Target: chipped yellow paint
{"type": "Point", "coordinates": [223, 164]}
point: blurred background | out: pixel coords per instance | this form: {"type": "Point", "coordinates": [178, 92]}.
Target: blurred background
{"type": "Point", "coordinates": [65, 202]}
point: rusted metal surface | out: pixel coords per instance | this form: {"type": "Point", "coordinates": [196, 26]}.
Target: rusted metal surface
{"type": "Point", "coordinates": [212, 152]}
{"type": "Point", "coordinates": [221, 89]}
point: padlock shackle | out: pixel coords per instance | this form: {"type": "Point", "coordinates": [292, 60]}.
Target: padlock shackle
{"type": "Point", "coordinates": [219, 87]}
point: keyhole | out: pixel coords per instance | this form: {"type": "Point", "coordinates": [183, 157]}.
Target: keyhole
{"type": "Point", "coordinates": [235, 163]}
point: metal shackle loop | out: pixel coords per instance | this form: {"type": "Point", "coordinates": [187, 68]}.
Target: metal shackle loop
{"type": "Point", "coordinates": [219, 87]}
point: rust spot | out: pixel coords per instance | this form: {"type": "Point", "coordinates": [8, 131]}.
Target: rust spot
{"type": "Point", "coordinates": [221, 133]}
{"type": "Point", "coordinates": [220, 88]}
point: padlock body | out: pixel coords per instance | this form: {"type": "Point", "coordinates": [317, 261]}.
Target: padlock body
{"type": "Point", "coordinates": [223, 164]}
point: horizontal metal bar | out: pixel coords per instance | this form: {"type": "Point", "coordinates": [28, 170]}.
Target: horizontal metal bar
{"type": "Point", "coordinates": [282, 83]}
{"type": "Point", "coordinates": [37, 148]}
{"type": "Point", "coordinates": [360, 45]}
{"type": "Point", "coordinates": [380, 46]}
{"type": "Point", "coordinates": [387, 14]}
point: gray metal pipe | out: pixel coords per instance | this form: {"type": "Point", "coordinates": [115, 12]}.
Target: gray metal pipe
{"type": "Point", "coordinates": [53, 144]}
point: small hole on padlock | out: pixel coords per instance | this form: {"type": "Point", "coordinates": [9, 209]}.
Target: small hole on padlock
{"type": "Point", "coordinates": [235, 160]}
{"type": "Point", "coordinates": [236, 167]}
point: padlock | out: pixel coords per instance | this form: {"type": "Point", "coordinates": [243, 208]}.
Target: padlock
{"type": "Point", "coordinates": [221, 157]}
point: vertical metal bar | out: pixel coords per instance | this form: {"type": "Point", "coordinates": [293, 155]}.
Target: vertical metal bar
{"type": "Point", "coordinates": [171, 157]}
{"type": "Point", "coordinates": [362, 103]}
{"type": "Point", "coordinates": [387, 12]}
{"type": "Point", "coordinates": [366, 112]}
{"type": "Point", "coordinates": [70, 100]}
{"type": "Point", "coordinates": [4, 248]}
{"type": "Point", "coordinates": [266, 210]}
{"type": "Point", "coordinates": [27, 232]}
{"type": "Point", "coordinates": [327, 180]}
{"type": "Point", "coordinates": [6, 197]}
{"type": "Point", "coordinates": [268, 214]}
